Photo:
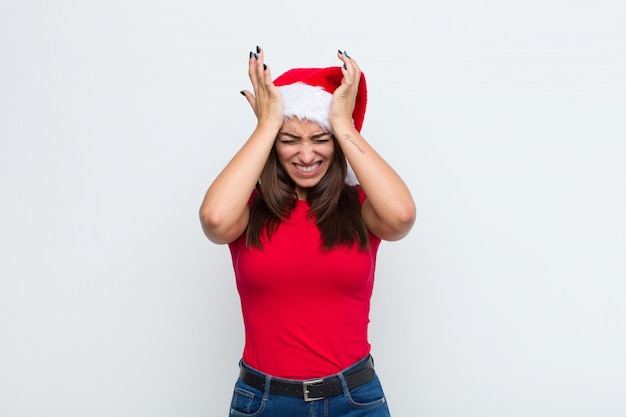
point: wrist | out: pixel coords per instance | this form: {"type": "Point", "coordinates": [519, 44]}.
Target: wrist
{"type": "Point", "coordinates": [342, 126]}
{"type": "Point", "coordinates": [269, 126]}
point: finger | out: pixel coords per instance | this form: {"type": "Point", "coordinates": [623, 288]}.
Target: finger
{"type": "Point", "coordinates": [350, 68]}
{"type": "Point", "coordinates": [354, 64]}
{"type": "Point", "coordinates": [264, 74]}
{"type": "Point", "coordinates": [259, 55]}
{"type": "Point", "coordinates": [343, 58]}
{"type": "Point", "coordinates": [250, 99]}
{"type": "Point", "coordinates": [252, 69]}
{"type": "Point", "coordinates": [351, 75]}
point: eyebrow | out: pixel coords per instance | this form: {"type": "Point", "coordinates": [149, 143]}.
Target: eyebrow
{"type": "Point", "coordinates": [294, 136]}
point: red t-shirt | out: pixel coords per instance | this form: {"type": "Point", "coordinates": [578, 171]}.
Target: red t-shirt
{"type": "Point", "coordinates": [305, 310]}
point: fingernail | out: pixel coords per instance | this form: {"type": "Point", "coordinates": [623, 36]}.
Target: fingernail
{"type": "Point", "coordinates": [346, 54]}
{"type": "Point", "coordinates": [344, 67]}
{"type": "Point", "coordinates": [339, 50]}
{"type": "Point", "coordinates": [256, 56]}
{"type": "Point", "coordinates": [242, 93]}
{"type": "Point", "coordinates": [258, 50]}
{"type": "Point", "coordinates": [264, 66]}
{"type": "Point", "coordinates": [250, 54]}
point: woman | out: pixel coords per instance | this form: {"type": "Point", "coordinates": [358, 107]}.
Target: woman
{"type": "Point", "coordinates": [303, 234]}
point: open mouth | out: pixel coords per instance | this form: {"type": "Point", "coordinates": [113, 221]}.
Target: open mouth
{"type": "Point", "coordinates": [308, 169]}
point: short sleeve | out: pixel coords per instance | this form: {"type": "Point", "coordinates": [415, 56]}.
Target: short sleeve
{"type": "Point", "coordinates": [360, 194]}
{"type": "Point", "coordinates": [255, 192]}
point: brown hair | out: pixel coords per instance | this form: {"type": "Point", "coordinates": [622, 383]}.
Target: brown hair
{"type": "Point", "coordinates": [335, 206]}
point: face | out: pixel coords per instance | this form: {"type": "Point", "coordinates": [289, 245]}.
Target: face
{"type": "Point", "coordinates": [305, 151]}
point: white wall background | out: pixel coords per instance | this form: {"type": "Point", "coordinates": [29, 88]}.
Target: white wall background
{"type": "Point", "coordinates": [506, 119]}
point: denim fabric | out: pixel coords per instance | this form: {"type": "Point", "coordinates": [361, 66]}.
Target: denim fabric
{"type": "Point", "coordinates": [368, 400]}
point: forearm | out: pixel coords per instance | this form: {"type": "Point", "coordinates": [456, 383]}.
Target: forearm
{"type": "Point", "coordinates": [387, 194]}
{"type": "Point", "coordinates": [224, 210]}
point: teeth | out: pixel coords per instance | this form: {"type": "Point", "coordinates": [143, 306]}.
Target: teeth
{"type": "Point", "coordinates": [307, 169]}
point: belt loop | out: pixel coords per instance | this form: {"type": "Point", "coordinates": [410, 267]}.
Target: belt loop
{"type": "Point", "coordinates": [267, 386]}
{"type": "Point", "coordinates": [344, 383]}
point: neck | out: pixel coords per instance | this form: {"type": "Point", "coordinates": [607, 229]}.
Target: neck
{"type": "Point", "coordinates": [301, 193]}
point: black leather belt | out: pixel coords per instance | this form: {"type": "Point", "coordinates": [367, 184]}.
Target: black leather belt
{"type": "Point", "coordinates": [314, 389]}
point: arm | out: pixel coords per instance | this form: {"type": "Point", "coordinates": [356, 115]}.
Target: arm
{"type": "Point", "coordinates": [224, 211]}
{"type": "Point", "coordinates": [389, 211]}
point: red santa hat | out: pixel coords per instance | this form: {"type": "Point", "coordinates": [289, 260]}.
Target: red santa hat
{"type": "Point", "coordinates": [307, 93]}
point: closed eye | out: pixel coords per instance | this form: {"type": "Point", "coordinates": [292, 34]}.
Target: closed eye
{"type": "Point", "coordinates": [288, 141]}
{"type": "Point", "coordinates": [322, 138]}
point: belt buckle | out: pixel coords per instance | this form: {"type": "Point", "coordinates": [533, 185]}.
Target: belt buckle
{"type": "Point", "coordinates": [305, 389]}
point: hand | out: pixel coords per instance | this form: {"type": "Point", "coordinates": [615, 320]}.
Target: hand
{"type": "Point", "coordinates": [344, 97]}
{"type": "Point", "coordinates": [266, 102]}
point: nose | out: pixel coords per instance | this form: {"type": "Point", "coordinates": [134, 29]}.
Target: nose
{"type": "Point", "coordinates": [307, 153]}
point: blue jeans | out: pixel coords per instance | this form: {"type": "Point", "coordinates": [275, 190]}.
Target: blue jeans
{"type": "Point", "coordinates": [367, 400]}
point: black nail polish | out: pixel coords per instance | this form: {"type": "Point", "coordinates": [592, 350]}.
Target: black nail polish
{"type": "Point", "coordinates": [339, 50]}
{"type": "Point", "coordinates": [264, 67]}
{"type": "Point", "coordinates": [344, 67]}
{"type": "Point", "coordinates": [250, 54]}
{"type": "Point", "coordinates": [258, 50]}
{"type": "Point", "coordinates": [242, 93]}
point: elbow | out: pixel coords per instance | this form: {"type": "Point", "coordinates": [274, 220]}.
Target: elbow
{"type": "Point", "coordinates": [211, 225]}
{"type": "Point", "coordinates": [219, 227]}
{"type": "Point", "coordinates": [400, 224]}
{"type": "Point", "coordinates": [210, 219]}
{"type": "Point", "coordinates": [405, 218]}
{"type": "Point", "coordinates": [393, 222]}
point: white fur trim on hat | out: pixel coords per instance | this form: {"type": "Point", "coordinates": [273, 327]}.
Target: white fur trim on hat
{"type": "Point", "coordinates": [306, 103]}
